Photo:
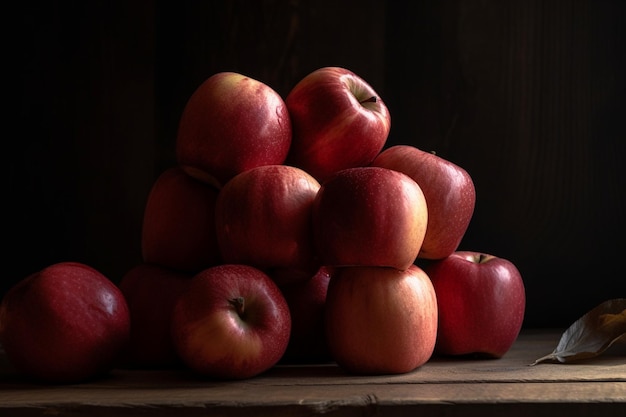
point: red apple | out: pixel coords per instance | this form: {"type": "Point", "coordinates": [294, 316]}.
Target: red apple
{"type": "Point", "coordinates": [66, 323]}
{"type": "Point", "coordinates": [449, 192]}
{"type": "Point", "coordinates": [381, 320]}
{"type": "Point", "coordinates": [338, 120]}
{"type": "Point", "coordinates": [481, 302]}
{"type": "Point", "coordinates": [263, 218]}
{"type": "Point", "coordinates": [151, 292]}
{"type": "Point", "coordinates": [288, 276]}
{"type": "Point", "coordinates": [232, 322]}
{"type": "Point", "coordinates": [306, 300]}
{"type": "Point", "coordinates": [232, 123]}
{"type": "Point", "coordinates": [179, 223]}
{"type": "Point", "coordinates": [369, 216]}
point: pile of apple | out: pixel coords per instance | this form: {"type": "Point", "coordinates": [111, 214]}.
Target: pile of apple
{"type": "Point", "coordinates": [286, 232]}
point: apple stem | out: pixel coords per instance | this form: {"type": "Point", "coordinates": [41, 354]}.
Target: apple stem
{"type": "Point", "coordinates": [239, 304]}
{"type": "Point", "coordinates": [372, 99]}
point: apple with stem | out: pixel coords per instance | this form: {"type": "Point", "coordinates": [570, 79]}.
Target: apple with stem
{"type": "Point", "coordinates": [369, 216]}
{"type": "Point", "coordinates": [232, 322]}
{"type": "Point", "coordinates": [338, 121]}
{"type": "Point", "coordinates": [66, 323]}
{"type": "Point", "coordinates": [449, 192]}
{"type": "Point", "coordinates": [380, 320]}
{"type": "Point", "coordinates": [232, 123]}
{"type": "Point", "coordinates": [481, 301]}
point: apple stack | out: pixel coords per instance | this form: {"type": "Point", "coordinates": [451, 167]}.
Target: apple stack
{"type": "Point", "coordinates": [288, 232]}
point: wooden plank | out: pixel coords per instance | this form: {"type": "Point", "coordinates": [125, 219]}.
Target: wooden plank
{"type": "Point", "coordinates": [482, 387]}
{"type": "Point", "coordinates": [238, 394]}
{"type": "Point", "coordinates": [243, 399]}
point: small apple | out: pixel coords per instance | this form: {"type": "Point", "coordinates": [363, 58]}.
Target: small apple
{"type": "Point", "coordinates": [369, 216]}
{"type": "Point", "coordinates": [179, 223]}
{"type": "Point", "coordinates": [232, 322]}
{"type": "Point", "coordinates": [449, 192]}
{"type": "Point", "coordinates": [232, 123]}
{"type": "Point", "coordinates": [66, 323]}
{"type": "Point", "coordinates": [263, 218]}
{"type": "Point", "coordinates": [338, 121]}
{"type": "Point", "coordinates": [380, 320]}
{"type": "Point", "coordinates": [481, 302]}
{"type": "Point", "coordinates": [306, 300]}
{"type": "Point", "coordinates": [151, 292]}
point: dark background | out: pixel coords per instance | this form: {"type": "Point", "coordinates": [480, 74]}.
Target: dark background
{"type": "Point", "coordinates": [527, 96]}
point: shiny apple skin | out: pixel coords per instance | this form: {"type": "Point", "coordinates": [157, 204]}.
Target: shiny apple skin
{"type": "Point", "coordinates": [263, 218]}
{"type": "Point", "coordinates": [214, 339]}
{"type": "Point", "coordinates": [481, 300]}
{"type": "Point", "coordinates": [449, 191]}
{"type": "Point", "coordinates": [369, 216]}
{"type": "Point", "coordinates": [66, 323]}
{"type": "Point", "coordinates": [336, 123]}
{"type": "Point", "coordinates": [232, 123]}
{"type": "Point", "coordinates": [381, 320]}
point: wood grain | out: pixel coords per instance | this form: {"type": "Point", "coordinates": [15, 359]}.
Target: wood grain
{"type": "Point", "coordinates": [440, 386]}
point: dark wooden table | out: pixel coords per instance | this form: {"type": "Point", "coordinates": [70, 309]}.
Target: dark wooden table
{"type": "Point", "coordinates": [442, 387]}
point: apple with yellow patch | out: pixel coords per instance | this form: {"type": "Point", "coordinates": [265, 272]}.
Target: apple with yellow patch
{"type": "Point", "coordinates": [232, 322]}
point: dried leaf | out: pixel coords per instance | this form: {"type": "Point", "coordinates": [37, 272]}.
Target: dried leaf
{"type": "Point", "coordinates": [592, 334]}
